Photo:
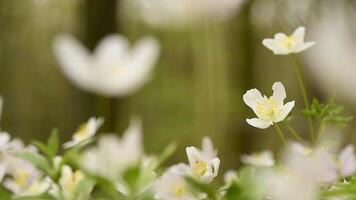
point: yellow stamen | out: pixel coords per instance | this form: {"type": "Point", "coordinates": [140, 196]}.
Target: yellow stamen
{"type": "Point", "coordinates": [82, 131]}
{"type": "Point", "coordinates": [267, 109]}
{"type": "Point", "coordinates": [289, 42]}
{"type": "Point", "coordinates": [199, 168]}
{"type": "Point", "coordinates": [178, 189]}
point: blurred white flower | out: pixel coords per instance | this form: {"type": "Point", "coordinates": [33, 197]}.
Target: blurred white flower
{"type": "Point", "coordinates": [172, 186]}
{"type": "Point", "coordinates": [113, 69]}
{"type": "Point", "coordinates": [281, 184]}
{"type": "Point", "coordinates": [230, 176]}
{"type": "Point", "coordinates": [8, 145]}
{"type": "Point", "coordinates": [300, 149]}
{"type": "Point", "coordinates": [332, 62]}
{"type": "Point", "coordinates": [85, 132]}
{"type": "Point", "coordinates": [268, 110]}
{"type": "Point", "coordinates": [113, 156]}
{"type": "Point", "coordinates": [318, 163]}
{"type": "Point", "coordinates": [183, 13]}
{"type": "Point", "coordinates": [69, 182]}
{"type": "Point", "coordinates": [25, 179]}
{"type": "Point", "coordinates": [204, 165]}
{"type": "Point", "coordinates": [262, 159]}
{"type": "Point", "coordinates": [346, 162]}
{"type": "Point", "coordinates": [284, 45]}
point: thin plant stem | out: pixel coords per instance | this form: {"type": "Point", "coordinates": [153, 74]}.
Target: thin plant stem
{"type": "Point", "coordinates": [305, 97]}
{"type": "Point", "coordinates": [280, 133]}
{"type": "Point", "coordinates": [293, 132]}
{"type": "Point", "coordinates": [321, 130]}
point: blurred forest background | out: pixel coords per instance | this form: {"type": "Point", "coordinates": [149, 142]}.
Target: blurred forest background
{"type": "Point", "coordinates": [198, 82]}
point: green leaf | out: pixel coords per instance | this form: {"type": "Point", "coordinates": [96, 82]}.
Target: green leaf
{"type": "Point", "coordinates": [4, 193]}
{"type": "Point", "coordinates": [51, 148]}
{"type": "Point", "coordinates": [327, 113]}
{"type": "Point", "coordinates": [53, 143]}
{"type": "Point", "coordinates": [83, 189]}
{"type": "Point", "coordinates": [245, 188]}
{"type": "Point", "coordinates": [37, 160]}
{"type": "Point", "coordinates": [166, 153]}
{"type": "Point", "coordinates": [42, 147]}
{"type": "Point", "coordinates": [201, 187]}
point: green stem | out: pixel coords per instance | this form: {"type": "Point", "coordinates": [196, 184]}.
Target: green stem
{"type": "Point", "coordinates": [293, 132]}
{"type": "Point", "coordinates": [279, 131]}
{"type": "Point", "coordinates": [305, 97]}
{"type": "Point", "coordinates": [321, 130]}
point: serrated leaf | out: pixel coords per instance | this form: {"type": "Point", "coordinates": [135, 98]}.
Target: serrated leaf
{"type": "Point", "coordinates": [327, 113]}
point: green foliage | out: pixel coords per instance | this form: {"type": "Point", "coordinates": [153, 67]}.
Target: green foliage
{"type": "Point", "coordinates": [245, 188]}
{"type": "Point", "coordinates": [82, 190]}
{"type": "Point", "coordinates": [327, 113]}
{"type": "Point", "coordinates": [37, 160]}
{"type": "Point", "coordinates": [50, 149]}
{"type": "Point", "coordinates": [4, 193]}
{"type": "Point", "coordinates": [162, 157]}
{"type": "Point", "coordinates": [42, 197]}
{"type": "Point", "coordinates": [199, 187]}
{"type": "Point", "coordinates": [342, 190]}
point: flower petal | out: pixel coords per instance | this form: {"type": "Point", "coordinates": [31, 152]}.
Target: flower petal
{"type": "Point", "coordinates": [304, 46]}
{"type": "Point", "coordinates": [285, 111]}
{"type": "Point", "coordinates": [252, 97]}
{"type": "Point", "coordinates": [138, 66]}
{"type": "Point", "coordinates": [275, 46]}
{"type": "Point", "coordinates": [259, 123]}
{"type": "Point", "coordinates": [348, 161]}
{"type": "Point", "coordinates": [193, 155]}
{"type": "Point", "coordinates": [212, 171]}
{"type": "Point", "coordinates": [111, 48]}
{"type": "Point", "coordinates": [74, 59]}
{"type": "Point", "coordinates": [208, 148]}
{"type": "Point", "coordinates": [299, 34]}
{"type": "Point", "coordinates": [279, 92]}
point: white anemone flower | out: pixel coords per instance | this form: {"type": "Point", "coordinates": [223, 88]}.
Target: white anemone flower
{"type": "Point", "coordinates": [230, 176]}
{"type": "Point", "coordinates": [85, 132]}
{"type": "Point", "coordinates": [282, 184]}
{"type": "Point", "coordinates": [112, 156]}
{"type": "Point", "coordinates": [284, 45]}
{"type": "Point", "coordinates": [318, 163]}
{"type": "Point", "coordinates": [262, 159]}
{"type": "Point", "coordinates": [9, 145]}
{"type": "Point", "coordinates": [268, 110]}
{"type": "Point", "coordinates": [183, 13]}
{"type": "Point", "coordinates": [172, 186]}
{"type": "Point", "coordinates": [334, 71]}
{"type": "Point", "coordinates": [204, 165]}
{"type": "Point", "coordinates": [347, 161]}
{"type": "Point", "coordinates": [25, 179]}
{"type": "Point", "coordinates": [113, 69]}
{"type": "Point", "coordinates": [69, 181]}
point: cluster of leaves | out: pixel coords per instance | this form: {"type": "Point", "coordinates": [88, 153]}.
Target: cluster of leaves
{"type": "Point", "coordinates": [346, 189]}
{"type": "Point", "coordinates": [327, 113]}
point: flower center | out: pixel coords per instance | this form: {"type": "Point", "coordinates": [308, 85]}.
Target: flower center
{"type": "Point", "coordinates": [73, 180]}
{"type": "Point", "coordinates": [22, 178]}
{"type": "Point", "coordinates": [199, 168]}
{"type": "Point", "coordinates": [82, 131]}
{"type": "Point", "coordinates": [267, 109]}
{"type": "Point", "coordinates": [289, 42]}
{"type": "Point", "coordinates": [178, 189]}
